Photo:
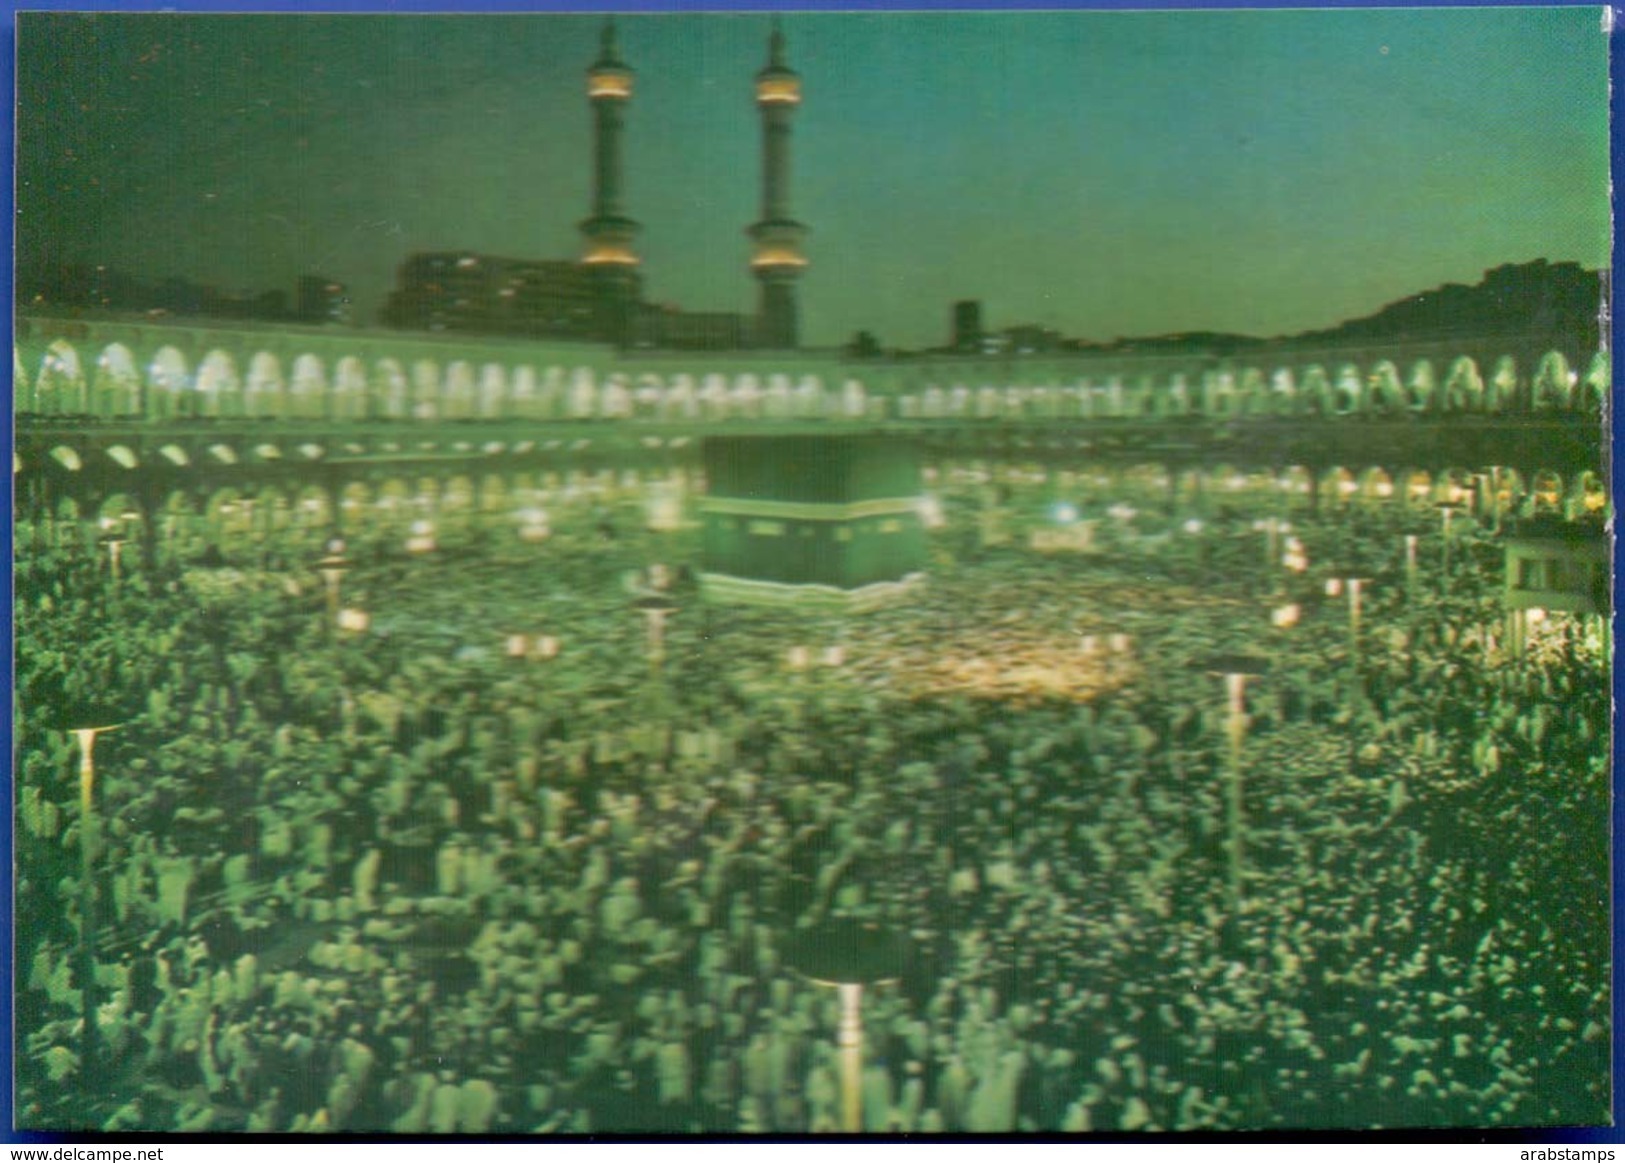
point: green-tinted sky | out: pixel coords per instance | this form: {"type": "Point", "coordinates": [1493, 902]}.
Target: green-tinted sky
{"type": "Point", "coordinates": [1103, 173]}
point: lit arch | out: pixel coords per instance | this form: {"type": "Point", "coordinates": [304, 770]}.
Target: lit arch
{"type": "Point", "coordinates": [350, 393]}
{"type": "Point", "coordinates": [776, 400]}
{"type": "Point", "coordinates": [307, 389]}
{"type": "Point", "coordinates": [1463, 389]}
{"type": "Point", "coordinates": [1254, 393]}
{"type": "Point", "coordinates": [524, 394]}
{"type": "Point", "coordinates": [457, 399]}
{"type": "Point", "coordinates": [391, 394]}
{"type": "Point", "coordinates": [1315, 393]}
{"type": "Point", "coordinates": [1386, 393]}
{"type": "Point", "coordinates": [1546, 495]}
{"type": "Point", "coordinates": [1554, 382]}
{"type": "Point", "coordinates": [491, 398]}
{"type": "Point", "coordinates": [1502, 392]}
{"type": "Point", "coordinates": [1422, 387]}
{"type": "Point", "coordinates": [1348, 397]}
{"type": "Point", "coordinates": [1592, 392]}
{"type": "Point", "coordinates": [219, 391]}
{"type": "Point", "coordinates": [583, 398]}
{"type": "Point", "coordinates": [426, 403]}
{"type": "Point", "coordinates": [61, 387]}
{"type": "Point", "coordinates": [167, 381]}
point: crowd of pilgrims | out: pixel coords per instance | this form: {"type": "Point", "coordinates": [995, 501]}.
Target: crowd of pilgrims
{"type": "Point", "coordinates": [398, 880]}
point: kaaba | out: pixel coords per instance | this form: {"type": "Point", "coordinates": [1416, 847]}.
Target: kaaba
{"type": "Point", "coordinates": [827, 519]}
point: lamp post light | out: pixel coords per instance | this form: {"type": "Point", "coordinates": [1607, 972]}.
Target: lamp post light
{"type": "Point", "coordinates": [1235, 669]}
{"type": "Point", "coordinates": [848, 954]}
{"type": "Point", "coordinates": [333, 566]}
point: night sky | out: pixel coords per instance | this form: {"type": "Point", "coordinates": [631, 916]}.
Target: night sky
{"type": "Point", "coordinates": [1103, 173]}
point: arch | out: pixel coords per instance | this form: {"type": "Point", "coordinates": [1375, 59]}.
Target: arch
{"type": "Point", "coordinates": [219, 391]}
{"type": "Point", "coordinates": [1553, 386]}
{"type": "Point", "coordinates": [714, 396]}
{"type": "Point", "coordinates": [1385, 393]}
{"type": "Point", "coordinates": [1338, 485]}
{"type": "Point", "coordinates": [524, 394]}
{"type": "Point", "coordinates": [1253, 394]}
{"type": "Point", "coordinates": [649, 397]}
{"type": "Point", "coordinates": [390, 397]}
{"type": "Point", "coordinates": [1315, 394]}
{"type": "Point", "coordinates": [167, 381]}
{"type": "Point", "coordinates": [1463, 389]}
{"type": "Point", "coordinates": [491, 397]}
{"type": "Point", "coordinates": [350, 396]}
{"type": "Point", "coordinates": [1588, 496]}
{"type": "Point", "coordinates": [457, 396]}
{"type": "Point", "coordinates": [1014, 402]}
{"type": "Point", "coordinates": [808, 402]}
{"type": "Point", "coordinates": [263, 395]}
{"type": "Point", "coordinates": [746, 396]}
{"type": "Point", "coordinates": [1546, 494]}
{"type": "Point", "coordinates": [1295, 481]}
{"type": "Point", "coordinates": [1219, 394]}
{"type": "Point", "coordinates": [1283, 392]}
{"type": "Point", "coordinates": [934, 404]}
{"type": "Point", "coordinates": [615, 398]}
{"type": "Point", "coordinates": [989, 403]}
{"type": "Point", "coordinates": [777, 403]}
{"type": "Point", "coordinates": [1376, 486]}
{"type": "Point", "coordinates": [582, 403]}
{"type": "Point", "coordinates": [552, 394]}
{"type": "Point", "coordinates": [959, 401]}
{"type": "Point", "coordinates": [681, 402]}
{"type": "Point", "coordinates": [1592, 392]}
{"type": "Point", "coordinates": [1421, 389]}
{"type": "Point", "coordinates": [854, 400]}
{"type": "Point", "coordinates": [117, 389]}
{"type": "Point", "coordinates": [310, 512]}
{"type": "Point", "coordinates": [1416, 488]}
{"type": "Point", "coordinates": [307, 389]}
{"type": "Point", "coordinates": [61, 387]}
{"type": "Point", "coordinates": [1503, 394]}
{"type": "Point", "coordinates": [426, 403]}
{"type": "Point", "coordinates": [354, 499]}
{"type": "Point", "coordinates": [1507, 490]}
{"type": "Point", "coordinates": [1348, 396]}
{"type": "Point", "coordinates": [1454, 484]}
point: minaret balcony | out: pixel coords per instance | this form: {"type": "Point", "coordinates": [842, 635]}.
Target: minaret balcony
{"type": "Point", "coordinates": [609, 84]}
{"type": "Point", "coordinates": [778, 89]}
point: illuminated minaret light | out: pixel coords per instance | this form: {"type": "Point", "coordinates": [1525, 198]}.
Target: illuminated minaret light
{"type": "Point", "coordinates": [609, 233]}
{"type": "Point", "coordinates": [776, 257]}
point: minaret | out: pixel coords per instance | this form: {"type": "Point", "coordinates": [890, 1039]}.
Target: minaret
{"type": "Point", "coordinates": [609, 232]}
{"type": "Point", "coordinates": [776, 258]}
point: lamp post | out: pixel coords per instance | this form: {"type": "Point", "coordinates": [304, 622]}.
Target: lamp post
{"type": "Point", "coordinates": [1447, 509]}
{"type": "Point", "coordinates": [84, 731]}
{"type": "Point", "coordinates": [1410, 568]}
{"type": "Point", "coordinates": [333, 566]}
{"type": "Point", "coordinates": [655, 609]}
{"type": "Point", "coordinates": [848, 954]}
{"type": "Point", "coordinates": [113, 541]}
{"type": "Point", "coordinates": [1235, 669]}
{"type": "Point", "coordinates": [1272, 527]}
